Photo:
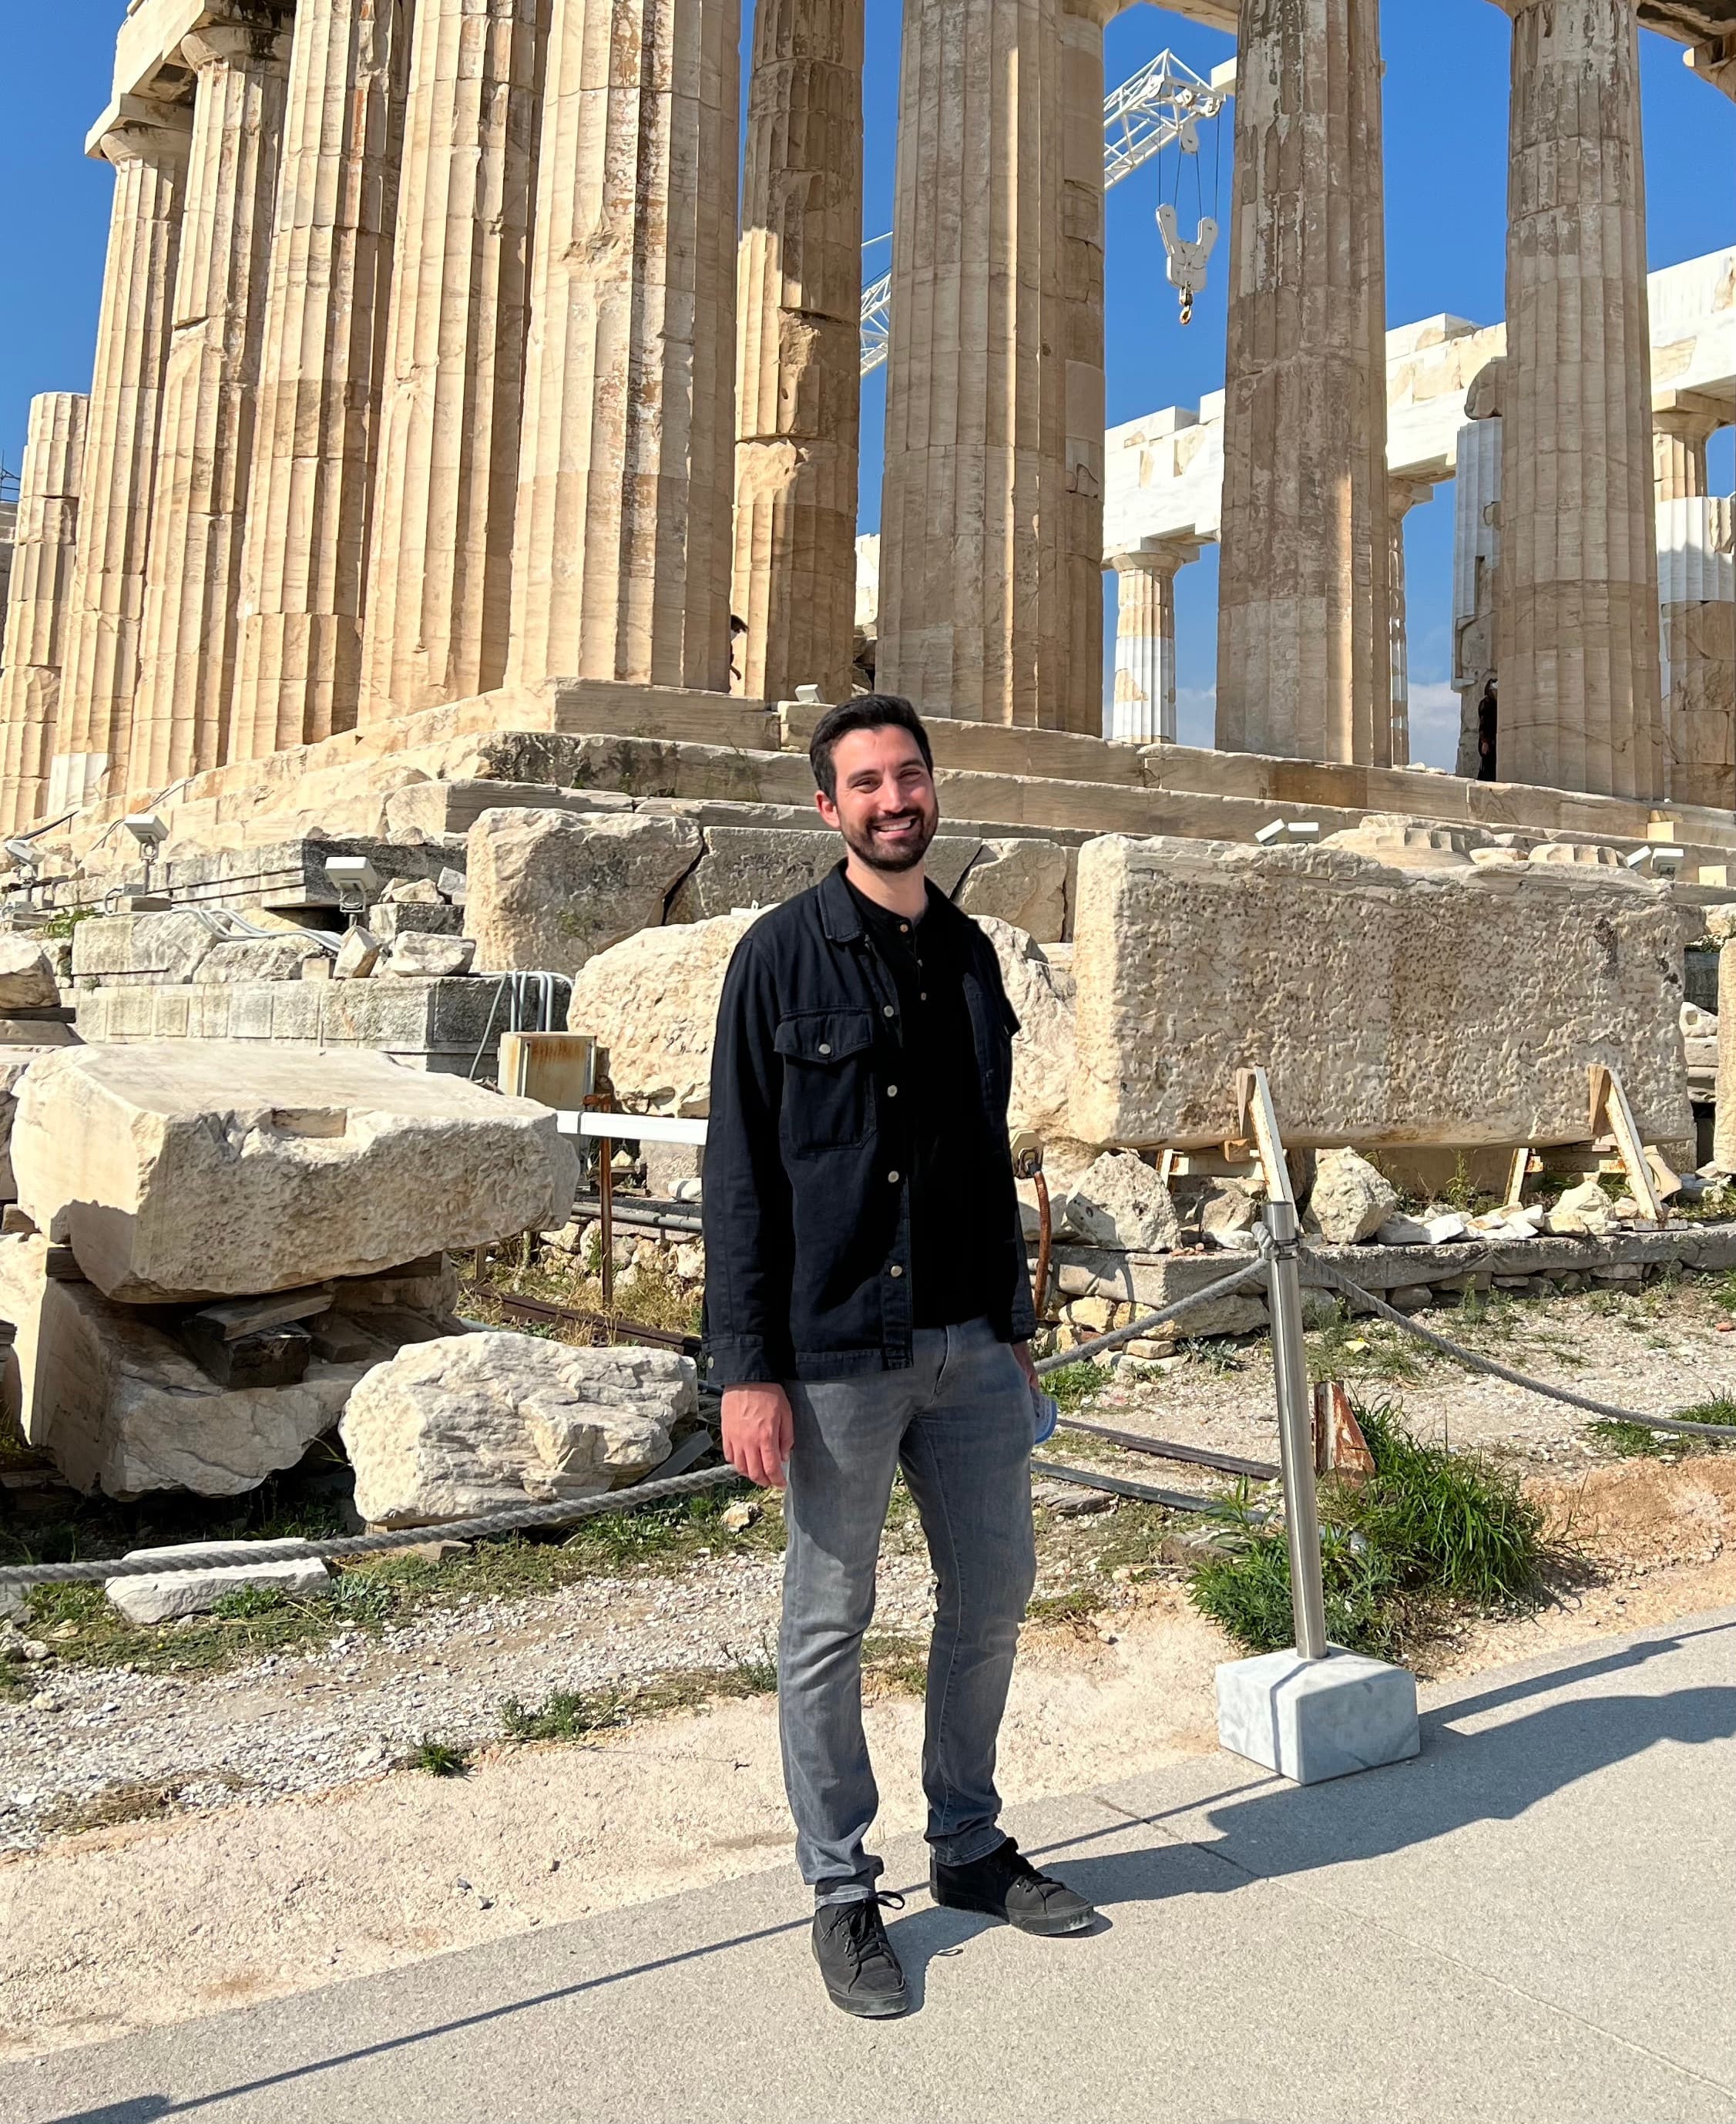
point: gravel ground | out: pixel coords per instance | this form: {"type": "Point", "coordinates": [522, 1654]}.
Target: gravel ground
{"type": "Point", "coordinates": [298, 1723]}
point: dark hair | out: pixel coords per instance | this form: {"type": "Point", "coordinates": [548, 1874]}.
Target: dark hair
{"type": "Point", "coordinates": [865, 711]}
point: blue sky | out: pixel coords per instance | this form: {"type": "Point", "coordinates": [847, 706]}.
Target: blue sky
{"type": "Point", "coordinates": [1445, 117]}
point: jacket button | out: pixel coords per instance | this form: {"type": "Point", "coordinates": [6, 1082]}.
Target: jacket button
{"type": "Point", "coordinates": [891, 1090]}
{"type": "Point", "coordinates": [887, 1011]}
{"type": "Point", "coordinates": [891, 1178]}
{"type": "Point", "coordinates": [894, 1269]}
{"type": "Point", "coordinates": [825, 1047]}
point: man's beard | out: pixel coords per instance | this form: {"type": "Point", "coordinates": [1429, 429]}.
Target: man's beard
{"type": "Point", "coordinates": [893, 855]}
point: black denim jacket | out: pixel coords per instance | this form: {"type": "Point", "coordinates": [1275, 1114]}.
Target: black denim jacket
{"type": "Point", "coordinates": [807, 1248]}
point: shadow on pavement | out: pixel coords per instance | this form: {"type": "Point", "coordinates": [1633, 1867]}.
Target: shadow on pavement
{"type": "Point", "coordinates": [1266, 1830]}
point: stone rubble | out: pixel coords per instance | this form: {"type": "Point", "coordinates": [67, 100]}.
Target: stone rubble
{"type": "Point", "coordinates": [451, 1429]}
{"type": "Point", "coordinates": [166, 1597]}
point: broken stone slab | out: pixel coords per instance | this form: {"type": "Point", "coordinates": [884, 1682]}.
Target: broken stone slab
{"type": "Point", "coordinates": [1195, 958]}
{"type": "Point", "coordinates": [425, 956]}
{"type": "Point", "coordinates": [1229, 1211]}
{"type": "Point", "coordinates": [1350, 1199]}
{"type": "Point", "coordinates": [162, 1598]}
{"type": "Point", "coordinates": [120, 948]}
{"type": "Point", "coordinates": [210, 1170]}
{"type": "Point", "coordinates": [285, 958]}
{"type": "Point", "coordinates": [26, 975]}
{"type": "Point", "coordinates": [1120, 1201]}
{"type": "Point", "coordinates": [1022, 882]}
{"type": "Point", "coordinates": [1424, 1231]}
{"type": "Point", "coordinates": [412, 892]}
{"type": "Point", "coordinates": [357, 956]}
{"type": "Point", "coordinates": [548, 891]}
{"type": "Point", "coordinates": [475, 1423]}
{"type": "Point", "coordinates": [652, 1002]}
{"type": "Point", "coordinates": [396, 919]}
{"type": "Point", "coordinates": [120, 1407]}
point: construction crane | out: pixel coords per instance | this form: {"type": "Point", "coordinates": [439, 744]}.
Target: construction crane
{"type": "Point", "coordinates": [1160, 106]}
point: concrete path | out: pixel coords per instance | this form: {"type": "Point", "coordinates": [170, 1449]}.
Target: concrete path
{"type": "Point", "coordinates": [1533, 1920]}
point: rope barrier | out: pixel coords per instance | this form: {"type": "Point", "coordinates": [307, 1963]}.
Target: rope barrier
{"type": "Point", "coordinates": [569, 1511]}
{"type": "Point", "coordinates": [1608, 1410]}
{"type": "Point", "coordinates": [514, 1520]}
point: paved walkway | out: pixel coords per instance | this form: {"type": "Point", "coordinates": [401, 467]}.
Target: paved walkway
{"type": "Point", "coordinates": [1532, 1920]}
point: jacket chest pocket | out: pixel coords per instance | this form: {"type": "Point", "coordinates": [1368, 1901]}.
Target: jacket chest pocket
{"type": "Point", "coordinates": [828, 1078]}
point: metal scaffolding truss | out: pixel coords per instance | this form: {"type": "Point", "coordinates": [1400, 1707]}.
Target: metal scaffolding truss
{"type": "Point", "coordinates": [1161, 104]}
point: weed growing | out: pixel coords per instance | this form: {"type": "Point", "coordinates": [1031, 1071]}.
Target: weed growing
{"type": "Point", "coordinates": [582, 1714]}
{"type": "Point", "coordinates": [1073, 1385]}
{"type": "Point", "coordinates": [1433, 1530]}
{"type": "Point", "coordinates": [437, 1760]}
{"type": "Point", "coordinates": [1639, 1442]}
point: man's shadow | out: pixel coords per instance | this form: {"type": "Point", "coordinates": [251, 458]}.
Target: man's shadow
{"type": "Point", "coordinates": [1273, 1830]}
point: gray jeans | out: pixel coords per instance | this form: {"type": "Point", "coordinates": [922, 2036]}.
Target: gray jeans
{"type": "Point", "coordinates": [960, 1422]}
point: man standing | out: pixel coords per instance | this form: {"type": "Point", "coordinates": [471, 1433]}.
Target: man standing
{"type": "Point", "coordinates": [868, 1308]}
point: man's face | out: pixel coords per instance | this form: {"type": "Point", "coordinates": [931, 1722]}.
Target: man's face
{"type": "Point", "coordinates": [885, 808]}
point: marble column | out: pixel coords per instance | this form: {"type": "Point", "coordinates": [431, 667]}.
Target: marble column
{"type": "Point", "coordinates": [99, 668]}
{"type": "Point", "coordinates": [621, 557]}
{"type": "Point", "coordinates": [798, 340]}
{"type": "Point", "coordinates": [1142, 707]}
{"type": "Point", "coordinates": [1303, 635]}
{"type": "Point", "coordinates": [1577, 611]}
{"type": "Point", "coordinates": [1081, 290]}
{"type": "Point", "coordinates": [1402, 496]}
{"type": "Point", "coordinates": [44, 539]}
{"type": "Point", "coordinates": [438, 602]}
{"type": "Point", "coordinates": [973, 504]}
{"type": "Point", "coordinates": [322, 352]}
{"type": "Point", "coordinates": [192, 619]}
{"type": "Point", "coordinates": [1696, 612]}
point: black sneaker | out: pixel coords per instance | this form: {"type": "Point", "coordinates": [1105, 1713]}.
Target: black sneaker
{"type": "Point", "coordinates": [856, 1959]}
{"type": "Point", "coordinates": [1002, 1884]}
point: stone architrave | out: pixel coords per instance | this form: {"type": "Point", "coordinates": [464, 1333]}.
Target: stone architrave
{"type": "Point", "coordinates": [1195, 958]}
{"type": "Point", "coordinates": [438, 602]}
{"type": "Point", "coordinates": [1577, 597]}
{"type": "Point", "coordinates": [1083, 267]}
{"type": "Point", "coordinates": [322, 352]}
{"type": "Point", "coordinates": [973, 511]}
{"type": "Point", "coordinates": [620, 560]}
{"type": "Point", "coordinates": [44, 540]}
{"type": "Point", "coordinates": [191, 628]}
{"type": "Point", "coordinates": [1142, 702]}
{"type": "Point", "coordinates": [1303, 624]}
{"type": "Point", "coordinates": [799, 342]}
{"type": "Point", "coordinates": [199, 1170]}
{"type": "Point", "coordinates": [99, 666]}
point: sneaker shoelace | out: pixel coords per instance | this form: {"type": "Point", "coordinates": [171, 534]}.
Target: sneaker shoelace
{"type": "Point", "coordinates": [862, 1928]}
{"type": "Point", "coordinates": [1019, 1867]}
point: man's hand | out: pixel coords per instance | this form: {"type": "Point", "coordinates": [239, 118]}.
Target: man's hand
{"type": "Point", "coordinates": [1021, 1351]}
{"type": "Point", "coordinates": [759, 1431]}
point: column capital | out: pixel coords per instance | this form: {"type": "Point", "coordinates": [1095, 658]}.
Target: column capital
{"type": "Point", "coordinates": [138, 128]}
{"type": "Point", "coordinates": [1165, 556]}
{"type": "Point", "coordinates": [258, 36]}
{"type": "Point", "coordinates": [1690, 417]}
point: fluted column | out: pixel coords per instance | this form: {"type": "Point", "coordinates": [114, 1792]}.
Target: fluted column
{"type": "Point", "coordinates": [1142, 706]}
{"type": "Point", "coordinates": [192, 622]}
{"type": "Point", "coordinates": [1696, 611]}
{"type": "Point", "coordinates": [1402, 496]}
{"type": "Point", "coordinates": [798, 339]}
{"type": "Point", "coordinates": [439, 605]}
{"type": "Point", "coordinates": [1082, 292]}
{"type": "Point", "coordinates": [322, 352]}
{"type": "Point", "coordinates": [1577, 617]}
{"type": "Point", "coordinates": [44, 538]}
{"type": "Point", "coordinates": [1303, 653]}
{"type": "Point", "coordinates": [99, 668]}
{"type": "Point", "coordinates": [973, 508]}
{"type": "Point", "coordinates": [621, 558]}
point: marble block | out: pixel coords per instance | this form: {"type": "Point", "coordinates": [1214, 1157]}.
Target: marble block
{"type": "Point", "coordinates": [1313, 1719]}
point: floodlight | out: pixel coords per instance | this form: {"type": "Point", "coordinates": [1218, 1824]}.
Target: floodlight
{"type": "Point", "coordinates": [807, 696]}
{"type": "Point", "coordinates": [357, 882]}
{"type": "Point", "coordinates": [25, 853]}
{"type": "Point", "coordinates": [1274, 830]}
{"type": "Point", "coordinates": [1287, 829]}
{"type": "Point", "coordinates": [1667, 860]}
{"type": "Point", "coordinates": [146, 829]}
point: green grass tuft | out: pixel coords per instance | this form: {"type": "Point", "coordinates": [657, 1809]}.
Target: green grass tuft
{"type": "Point", "coordinates": [437, 1760]}
{"type": "Point", "coordinates": [1431, 1529]}
{"type": "Point", "coordinates": [1639, 1442]}
{"type": "Point", "coordinates": [1071, 1385]}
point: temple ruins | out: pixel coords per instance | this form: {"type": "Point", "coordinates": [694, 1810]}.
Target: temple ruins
{"type": "Point", "coordinates": [415, 632]}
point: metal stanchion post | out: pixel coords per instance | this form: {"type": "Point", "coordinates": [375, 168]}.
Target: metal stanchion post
{"type": "Point", "coordinates": [1296, 1432]}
